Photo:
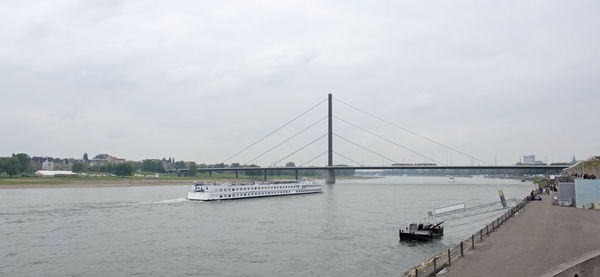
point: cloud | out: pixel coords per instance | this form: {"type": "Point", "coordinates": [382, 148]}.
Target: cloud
{"type": "Point", "coordinates": [203, 78]}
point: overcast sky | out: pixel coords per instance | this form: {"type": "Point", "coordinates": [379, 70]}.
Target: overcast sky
{"type": "Point", "coordinates": [201, 80]}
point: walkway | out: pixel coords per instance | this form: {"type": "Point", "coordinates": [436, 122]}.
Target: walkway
{"type": "Point", "coordinates": [533, 242]}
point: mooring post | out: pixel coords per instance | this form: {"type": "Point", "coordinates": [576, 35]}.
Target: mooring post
{"type": "Point", "coordinates": [330, 174]}
{"type": "Point", "coordinates": [449, 258]}
{"type": "Point", "coordinates": [435, 264]}
{"type": "Point", "coordinates": [481, 235]}
{"type": "Point", "coordinates": [472, 241]}
{"type": "Point", "coordinates": [462, 252]}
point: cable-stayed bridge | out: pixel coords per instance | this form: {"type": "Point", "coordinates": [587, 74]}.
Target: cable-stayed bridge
{"type": "Point", "coordinates": [330, 168]}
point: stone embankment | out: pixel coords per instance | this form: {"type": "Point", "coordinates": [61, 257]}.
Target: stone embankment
{"type": "Point", "coordinates": [542, 240]}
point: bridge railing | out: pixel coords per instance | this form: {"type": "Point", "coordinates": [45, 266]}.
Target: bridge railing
{"type": "Point", "coordinates": [435, 264]}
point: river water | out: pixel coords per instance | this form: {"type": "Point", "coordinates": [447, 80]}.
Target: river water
{"type": "Point", "coordinates": [351, 229]}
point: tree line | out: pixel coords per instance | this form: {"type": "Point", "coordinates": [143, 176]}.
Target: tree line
{"type": "Point", "coordinates": [21, 164]}
{"type": "Point", "coordinates": [17, 164]}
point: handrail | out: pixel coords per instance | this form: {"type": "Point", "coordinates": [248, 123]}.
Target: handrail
{"type": "Point", "coordinates": [435, 264]}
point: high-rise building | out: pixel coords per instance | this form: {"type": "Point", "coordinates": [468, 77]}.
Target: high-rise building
{"type": "Point", "coordinates": [529, 159]}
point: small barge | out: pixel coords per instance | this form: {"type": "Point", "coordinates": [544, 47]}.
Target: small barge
{"type": "Point", "coordinates": [422, 232]}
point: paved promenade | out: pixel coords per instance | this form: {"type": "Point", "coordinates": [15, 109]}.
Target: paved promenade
{"type": "Point", "coordinates": [534, 242]}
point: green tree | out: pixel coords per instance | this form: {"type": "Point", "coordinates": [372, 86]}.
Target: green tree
{"type": "Point", "coordinates": [180, 165]}
{"type": "Point", "coordinates": [85, 157]}
{"type": "Point", "coordinates": [152, 165]}
{"type": "Point", "coordinates": [23, 160]}
{"type": "Point", "coordinates": [124, 169]}
{"type": "Point", "coordinates": [79, 166]}
{"type": "Point", "coordinates": [11, 166]}
{"type": "Point", "coordinates": [290, 164]}
{"type": "Point", "coordinates": [192, 167]}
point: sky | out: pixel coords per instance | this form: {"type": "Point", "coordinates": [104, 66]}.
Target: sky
{"type": "Point", "coordinates": [202, 80]}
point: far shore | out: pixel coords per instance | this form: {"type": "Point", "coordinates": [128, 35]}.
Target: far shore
{"type": "Point", "coordinates": [61, 182]}
{"type": "Point", "coordinates": [82, 183]}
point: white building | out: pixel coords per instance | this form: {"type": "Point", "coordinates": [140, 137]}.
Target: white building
{"type": "Point", "coordinates": [52, 173]}
{"type": "Point", "coordinates": [47, 165]}
{"type": "Point", "coordinates": [529, 159]}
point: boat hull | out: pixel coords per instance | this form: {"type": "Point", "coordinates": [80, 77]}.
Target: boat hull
{"type": "Point", "coordinates": [421, 232]}
{"type": "Point", "coordinates": [208, 192]}
{"type": "Point", "coordinates": [419, 236]}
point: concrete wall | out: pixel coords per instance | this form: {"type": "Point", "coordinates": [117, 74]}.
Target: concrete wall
{"type": "Point", "coordinates": [587, 191]}
{"type": "Point", "coordinates": [586, 266]}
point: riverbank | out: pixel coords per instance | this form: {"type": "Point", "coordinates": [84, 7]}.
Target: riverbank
{"type": "Point", "coordinates": [76, 182]}
{"type": "Point", "coordinates": [541, 237]}
{"type": "Point", "coordinates": [29, 183]}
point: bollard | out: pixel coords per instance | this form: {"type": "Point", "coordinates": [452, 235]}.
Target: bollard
{"type": "Point", "coordinates": [481, 235]}
{"type": "Point", "coordinates": [435, 264]}
{"type": "Point", "coordinates": [449, 258]}
{"type": "Point", "coordinates": [416, 272]}
{"type": "Point", "coordinates": [487, 230]}
{"type": "Point", "coordinates": [493, 226]}
{"type": "Point", "coordinates": [462, 253]}
{"type": "Point", "coordinates": [472, 241]}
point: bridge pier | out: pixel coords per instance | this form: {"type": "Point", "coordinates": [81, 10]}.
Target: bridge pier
{"type": "Point", "coordinates": [296, 171]}
{"type": "Point", "coordinates": [210, 173]}
{"type": "Point", "coordinates": [265, 179]}
{"type": "Point", "coordinates": [330, 176]}
{"type": "Point", "coordinates": [236, 174]}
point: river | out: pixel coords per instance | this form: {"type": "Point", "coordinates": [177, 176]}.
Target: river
{"type": "Point", "coordinates": [351, 229]}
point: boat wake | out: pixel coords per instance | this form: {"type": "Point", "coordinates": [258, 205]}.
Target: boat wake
{"type": "Point", "coordinates": [170, 201]}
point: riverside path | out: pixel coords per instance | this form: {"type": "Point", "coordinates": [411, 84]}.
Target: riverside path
{"type": "Point", "coordinates": [533, 243]}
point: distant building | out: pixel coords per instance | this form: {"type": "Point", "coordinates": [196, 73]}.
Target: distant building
{"type": "Point", "coordinates": [55, 173]}
{"type": "Point", "coordinates": [529, 159]}
{"type": "Point", "coordinates": [48, 165]}
{"type": "Point", "coordinates": [105, 158]}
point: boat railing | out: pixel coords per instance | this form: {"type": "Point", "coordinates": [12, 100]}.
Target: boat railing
{"type": "Point", "coordinates": [444, 259]}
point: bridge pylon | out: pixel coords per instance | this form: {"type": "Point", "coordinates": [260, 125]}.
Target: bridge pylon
{"type": "Point", "coordinates": [330, 175]}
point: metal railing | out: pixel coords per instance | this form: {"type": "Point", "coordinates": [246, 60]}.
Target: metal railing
{"type": "Point", "coordinates": [435, 264]}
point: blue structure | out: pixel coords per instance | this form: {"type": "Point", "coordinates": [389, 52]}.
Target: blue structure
{"type": "Point", "coordinates": [587, 192]}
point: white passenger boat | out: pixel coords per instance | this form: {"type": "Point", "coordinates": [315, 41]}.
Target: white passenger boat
{"type": "Point", "coordinates": [206, 191]}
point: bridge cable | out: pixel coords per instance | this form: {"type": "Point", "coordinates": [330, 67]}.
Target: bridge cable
{"type": "Point", "coordinates": [286, 140]}
{"type": "Point", "coordinates": [298, 150]}
{"type": "Point", "coordinates": [274, 131]}
{"type": "Point", "coordinates": [348, 158]}
{"type": "Point", "coordinates": [380, 155]}
{"type": "Point", "coordinates": [411, 132]}
{"type": "Point", "coordinates": [314, 158]}
{"type": "Point", "coordinates": [388, 140]}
